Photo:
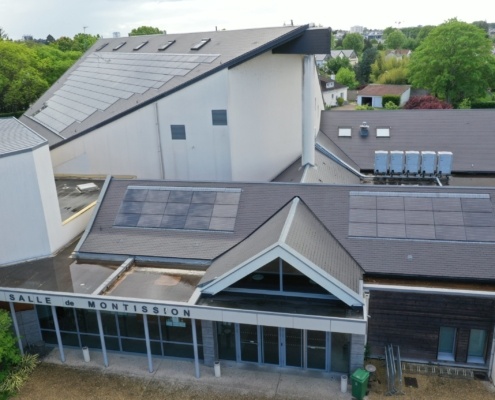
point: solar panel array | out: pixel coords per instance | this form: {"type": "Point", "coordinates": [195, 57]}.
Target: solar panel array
{"type": "Point", "coordinates": [102, 79]}
{"type": "Point", "coordinates": [204, 209]}
{"type": "Point", "coordinates": [428, 216]}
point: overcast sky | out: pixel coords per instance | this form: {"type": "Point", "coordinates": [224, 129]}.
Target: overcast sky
{"type": "Point", "coordinates": [40, 18]}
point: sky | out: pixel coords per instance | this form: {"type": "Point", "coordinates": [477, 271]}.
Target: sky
{"type": "Point", "coordinates": [40, 18]}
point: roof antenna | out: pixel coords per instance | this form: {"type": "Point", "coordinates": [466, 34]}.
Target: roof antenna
{"type": "Point", "coordinates": [291, 23]}
{"type": "Point", "coordinates": [216, 28]}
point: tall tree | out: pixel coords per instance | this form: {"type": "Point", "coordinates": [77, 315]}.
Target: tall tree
{"type": "Point", "coordinates": [364, 66]}
{"type": "Point", "coordinates": [354, 41]}
{"type": "Point", "coordinates": [333, 65]}
{"type": "Point", "coordinates": [346, 77]}
{"type": "Point", "coordinates": [145, 30]}
{"type": "Point", "coordinates": [395, 40]}
{"type": "Point", "coordinates": [454, 62]}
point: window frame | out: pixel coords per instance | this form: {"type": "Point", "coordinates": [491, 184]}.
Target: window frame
{"type": "Point", "coordinates": [477, 359]}
{"type": "Point", "coordinates": [444, 355]}
{"type": "Point", "coordinates": [383, 135]}
{"type": "Point", "coordinates": [346, 128]}
{"type": "Point", "coordinates": [178, 132]}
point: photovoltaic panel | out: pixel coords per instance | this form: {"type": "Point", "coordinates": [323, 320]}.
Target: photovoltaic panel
{"type": "Point", "coordinates": [178, 208]}
{"type": "Point", "coordinates": [425, 216]}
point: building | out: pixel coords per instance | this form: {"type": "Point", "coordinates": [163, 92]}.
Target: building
{"type": "Point", "coordinates": [372, 95]}
{"type": "Point", "coordinates": [332, 91]}
{"type": "Point", "coordinates": [305, 271]}
{"type": "Point", "coordinates": [174, 106]}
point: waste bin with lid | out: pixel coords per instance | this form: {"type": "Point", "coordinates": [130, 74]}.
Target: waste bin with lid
{"type": "Point", "coordinates": [359, 383]}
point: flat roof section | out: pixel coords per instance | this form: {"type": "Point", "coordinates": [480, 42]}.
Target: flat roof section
{"type": "Point", "coordinates": [155, 283]}
{"type": "Point", "coordinates": [74, 195]}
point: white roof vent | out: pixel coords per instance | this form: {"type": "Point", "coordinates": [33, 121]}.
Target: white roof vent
{"type": "Point", "coordinates": [87, 187]}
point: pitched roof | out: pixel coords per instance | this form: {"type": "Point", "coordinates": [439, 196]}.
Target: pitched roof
{"type": "Point", "coordinates": [468, 134]}
{"type": "Point", "coordinates": [15, 137]}
{"type": "Point", "coordinates": [382, 254]}
{"type": "Point", "coordinates": [116, 76]}
{"type": "Point", "coordinates": [383, 90]}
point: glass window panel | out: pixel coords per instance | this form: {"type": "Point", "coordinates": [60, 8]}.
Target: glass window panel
{"type": "Point", "coordinates": [293, 347]}
{"type": "Point", "coordinates": [340, 352]}
{"type": "Point", "coordinates": [249, 342]}
{"type": "Point", "coordinates": [270, 345]}
{"type": "Point", "coordinates": [134, 346]}
{"type": "Point", "coordinates": [154, 327]}
{"type": "Point", "coordinates": [109, 323]}
{"type": "Point", "coordinates": [295, 281]}
{"type": "Point", "coordinates": [131, 325]}
{"type": "Point", "coordinates": [69, 339]}
{"type": "Point", "coordinates": [45, 317]}
{"type": "Point", "coordinates": [176, 330]}
{"type": "Point", "coordinates": [156, 348]}
{"type": "Point", "coordinates": [179, 350]}
{"type": "Point", "coordinates": [226, 341]}
{"type": "Point", "coordinates": [316, 349]}
{"type": "Point", "coordinates": [86, 320]}
{"type": "Point", "coordinates": [446, 343]}
{"type": "Point", "coordinates": [49, 337]}
{"type": "Point", "coordinates": [477, 346]}
{"type": "Point", "coordinates": [91, 341]}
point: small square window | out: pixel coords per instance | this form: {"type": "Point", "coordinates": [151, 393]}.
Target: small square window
{"type": "Point", "coordinates": [345, 132]}
{"type": "Point", "coordinates": [178, 132]}
{"type": "Point", "coordinates": [219, 117]}
{"type": "Point", "coordinates": [382, 132]}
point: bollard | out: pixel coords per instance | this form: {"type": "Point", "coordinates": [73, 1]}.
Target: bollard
{"type": "Point", "coordinates": [85, 351]}
{"type": "Point", "coordinates": [216, 367]}
{"type": "Point", "coordinates": [343, 383]}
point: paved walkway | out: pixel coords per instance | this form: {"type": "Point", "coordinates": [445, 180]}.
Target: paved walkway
{"type": "Point", "coordinates": [269, 381]}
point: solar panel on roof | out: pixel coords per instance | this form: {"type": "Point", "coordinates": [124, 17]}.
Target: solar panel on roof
{"type": "Point", "coordinates": [426, 216]}
{"type": "Point", "coordinates": [179, 208]}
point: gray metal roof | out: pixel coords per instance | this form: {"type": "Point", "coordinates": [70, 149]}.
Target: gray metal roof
{"type": "Point", "coordinates": [468, 134]}
{"type": "Point", "coordinates": [327, 170]}
{"type": "Point", "coordinates": [15, 137]}
{"type": "Point", "coordinates": [452, 259]}
{"type": "Point", "coordinates": [108, 83]}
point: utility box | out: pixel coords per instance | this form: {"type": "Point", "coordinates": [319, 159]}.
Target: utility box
{"type": "Point", "coordinates": [381, 162]}
{"type": "Point", "coordinates": [413, 162]}
{"type": "Point", "coordinates": [396, 162]}
{"type": "Point", "coordinates": [428, 162]}
{"type": "Point", "coordinates": [359, 383]}
{"type": "Point", "coordinates": [445, 159]}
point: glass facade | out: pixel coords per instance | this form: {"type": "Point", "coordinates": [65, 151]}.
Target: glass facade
{"type": "Point", "coordinates": [169, 336]}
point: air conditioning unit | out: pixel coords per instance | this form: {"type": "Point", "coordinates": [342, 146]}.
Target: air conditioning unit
{"type": "Point", "coordinates": [444, 166]}
{"type": "Point", "coordinates": [87, 187]}
{"type": "Point", "coordinates": [428, 162]}
{"type": "Point", "coordinates": [413, 162]}
{"type": "Point", "coordinates": [381, 162]}
{"type": "Point", "coordinates": [396, 162]}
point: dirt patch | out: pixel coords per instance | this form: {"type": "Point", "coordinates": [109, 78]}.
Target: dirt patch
{"type": "Point", "coordinates": [430, 387]}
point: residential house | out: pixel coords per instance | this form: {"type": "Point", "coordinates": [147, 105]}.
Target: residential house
{"type": "Point", "coordinates": [332, 90]}
{"type": "Point", "coordinates": [398, 54]}
{"type": "Point", "coordinates": [349, 54]}
{"type": "Point", "coordinates": [372, 95]}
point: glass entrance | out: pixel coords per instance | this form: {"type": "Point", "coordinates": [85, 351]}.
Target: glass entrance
{"type": "Point", "coordinates": [293, 347]}
{"type": "Point", "coordinates": [249, 342]}
{"type": "Point", "coordinates": [270, 345]}
{"type": "Point", "coordinates": [316, 350]}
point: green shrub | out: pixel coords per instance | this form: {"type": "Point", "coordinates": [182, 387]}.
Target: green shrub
{"type": "Point", "coordinates": [464, 104]}
{"type": "Point", "coordinates": [365, 107]}
{"type": "Point", "coordinates": [483, 104]}
{"type": "Point", "coordinates": [19, 374]}
{"type": "Point", "coordinates": [391, 106]}
{"type": "Point", "coordinates": [389, 98]}
{"type": "Point", "coordinates": [340, 101]}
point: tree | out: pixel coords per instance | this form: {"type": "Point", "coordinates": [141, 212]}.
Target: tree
{"type": "Point", "coordinates": [395, 40]}
{"type": "Point", "coordinates": [454, 62]}
{"type": "Point", "coordinates": [333, 65]}
{"type": "Point", "coordinates": [145, 30]}
{"type": "Point", "coordinates": [347, 77]}
{"type": "Point", "coordinates": [3, 34]}
{"type": "Point", "coordinates": [364, 66]}
{"type": "Point", "coordinates": [426, 103]}
{"type": "Point", "coordinates": [482, 25]}
{"type": "Point", "coordinates": [354, 41]}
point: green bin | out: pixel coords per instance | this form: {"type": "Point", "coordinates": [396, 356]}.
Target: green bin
{"type": "Point", "coordinates": [359, 383]}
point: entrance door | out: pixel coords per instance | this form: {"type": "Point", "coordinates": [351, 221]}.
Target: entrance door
{"type": "Point", "coordinates": [293, 347]}
{"type": "Point", "coordinates": [270, 345]}
{"type": "Point", "coordinates": [249, 342]}
{"type": "Point", "coordinates": [316, 350]}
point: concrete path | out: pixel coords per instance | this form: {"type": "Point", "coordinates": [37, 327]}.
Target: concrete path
{"type": "Point", "coordinates": [272, 382]}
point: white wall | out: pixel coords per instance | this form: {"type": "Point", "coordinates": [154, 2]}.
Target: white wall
{"type": "Point", "coordinates": [127, 146]}
{"type": "Point", "coordinates": [332, 100]}
{"type": "Point", "coordinates": [23, 232]}
{"type": "Point", "coordinates": [205, 154]}
{"type": "Point", "coordinates": [265, 115]}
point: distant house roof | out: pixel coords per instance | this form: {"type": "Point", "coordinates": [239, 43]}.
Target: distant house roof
{"type": "Point", "coordinates": [434, 232]}
{"type": "Point", "coordinates": [324, 81]}
{"type": "Point", "coordinates": [383, 90]}
{"type": "Point", "coordinates": [344, 53]}
{"type": "Point", "coordinates": [15, 137]}
{"type": "Point", "coordinates": [319, 58]}
{"type": "Point", "coordinates": [119, 75]}
{"type": "Point", "coordinates": [468, 134]}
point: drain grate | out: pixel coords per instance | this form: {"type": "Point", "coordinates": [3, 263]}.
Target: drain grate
{"type": "Point", "coordinates": [411, 382]}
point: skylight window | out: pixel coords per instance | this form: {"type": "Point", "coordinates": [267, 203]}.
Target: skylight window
{"type": "Point", "coordinates": [382, 132]}
{"type": "Point", "coordinates": [198, 45]}
{"type": "Point", "coordinates": [102, 46]}
{"type": "Point", "coordinates": [166, 45]}
{"type": "Point", "coordinates": [140, 45]}
{"type": "Point", "coordinates": [119, 46]}
{"type": "Point", "coordinates": [345, 132]}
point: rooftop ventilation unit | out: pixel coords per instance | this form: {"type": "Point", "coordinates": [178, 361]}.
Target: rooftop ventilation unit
{"type": "Point", "coordinates": [396, 162]}
{"type": "Point", "coordinates": [364, 129]}
{"type": "Point", "coordinates": [87, 187]}
{"type": "Point", "coordinates": [413, 162]}
{"type": "Point", "coordinates": [381, 162]}
{"type": "Point", "coordinates": [428, 162]}
{"type": "Point", "coordinates": [444, 166]}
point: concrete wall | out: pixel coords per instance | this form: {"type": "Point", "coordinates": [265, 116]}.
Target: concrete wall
{"type": "Point", "coordinates": [357, 352]}
{"type": "Point", "coordinates": [265, 110]}
{"type": "Point", "coordinates": [210, 345]}
{"type": "Point", "coordinates": [29, 327]}
{"type": "Point", "coordinates": [23, 233]}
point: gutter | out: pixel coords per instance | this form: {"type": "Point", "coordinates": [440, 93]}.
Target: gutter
{"type": "Point", "coordinates": [425, 290]}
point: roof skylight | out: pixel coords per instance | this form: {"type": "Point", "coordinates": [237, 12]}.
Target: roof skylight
{"type": "Point", "coordinates": [198, 45]}
{"type": "Point", "coordinates": [166, 45]}
{"type": "Point", "coordinates": [140, 45]}
{"type": "Point", "coordinates": [119, 46]}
